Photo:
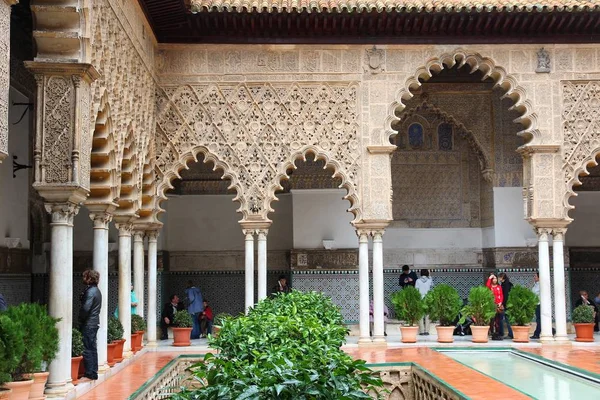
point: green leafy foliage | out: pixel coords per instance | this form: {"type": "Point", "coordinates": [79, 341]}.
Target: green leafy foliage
{"type": "Point", "coordinates": [443, 304]}
{"type": "Point", "coordinates": [77, 344]}
{"type": "Point", "coordinates": [520, 306]}
{"type": "Point", "coordinates": [481, 306]}
{"type": "Point", "coordinates": [408, 305]}
{"type": "Point", "coordinates": [220, 319]}
{"type": "Point", "coordinates": [12, 347]}
{"type": "Point", "coordinates": [287, 347]}
{"type": "Point", "coordinates": [30, 318]}
{"type": "Point", "coordinates": [49, 339]}
{"type": "Point", "coordinates": [115, 329]}
{"type": "Point", "coordinates": [137, 323]}
{"type": "Point", "coordinates": [583, 315]}
{"type": "Point", "coordinates": [183, 319]}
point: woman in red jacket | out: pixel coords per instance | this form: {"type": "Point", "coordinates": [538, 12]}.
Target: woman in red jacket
{"type": "Point", "coordinates": [494, 286]}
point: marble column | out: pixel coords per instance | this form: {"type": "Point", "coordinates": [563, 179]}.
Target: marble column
{"type": "Point", "coordinates": [545, 291]}
{"type": "Point", "coordinates": [378, 292]}
{"type": "Point", "coordinates": [101, 223]}
{"type": "Point", "coordinates": [60, 300]}
{"type": "Point", "coordinates": [138, 270]}
{"type": "Point", "coordinates": [5, 9]}
{"type": "Point", "coordinates": [363, 277]}
{"type": "Point", "coordinates": [152, 288]}
{"type": "Point", "coordinates": [125, 229]}
{"type": "Point", "coordinates": [249, 268]}
{"type": "Point", "coordinates": [560, 300]}
{"type": "Point", "coordinates": [262, 263]}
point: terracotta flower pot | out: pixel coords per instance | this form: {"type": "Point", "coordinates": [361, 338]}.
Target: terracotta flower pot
{"type": "Point", "coordinates": [134, 339]}
{"type": "Point", "coordinates": [75, 362]}
{"type": "Point", "coordinates": [38, 386]}
{"type": "Point", "coordinates": [584, 332]}
{"type": "Point", "coordinates": [20, 389]}
{"type": "Point", "coordinates": [110, 353]}
{"type": "Point", "coordinates": [181, 337]}
{"type": "Point", "coordinates": [409, 334]}
{"type": "Point", "coordinates": [480, 333]}
{"type": "Point", "coordinates": [119, 350]}
{"type": "Point", "coordinates": [5, 393]}
{"type": "Point", "coordinates": [139, 341]}
{"type": "Point", "coordinates": [445, 334]}
{"type": "Point", "coordinates": [520, 334]}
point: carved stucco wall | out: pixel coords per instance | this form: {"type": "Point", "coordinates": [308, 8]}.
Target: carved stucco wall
{"type": "Point", "coordinates": [4, 74]}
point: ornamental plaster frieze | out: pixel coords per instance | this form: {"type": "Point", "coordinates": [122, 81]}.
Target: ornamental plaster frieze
{"type": "Point", "coordinates": [5, 7]}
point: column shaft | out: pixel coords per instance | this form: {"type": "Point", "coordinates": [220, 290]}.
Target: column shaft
{"type": "Point", "coordinates": [101, 221]}
{"type": "Point", "coordinates": [125, 284]}
{"type": "Point", "coordinates": [363, 277]}
{"type": "Point", "coordinates": [138, 270]}
{"type": "Point", "coordinates": [152, 288]}
{"type": "Point", "coordinates": [545, 291]}
{"type": "Point", "coordinates": [60, 302]}
{"type": "Point", "coordinates": [378, 318]}
{"type": "Point", "coordinates": [560, 301]}
{"type": "Point", "coordinates": [249, 268]}
{"type": "Point", "coordinates": [262, 264]}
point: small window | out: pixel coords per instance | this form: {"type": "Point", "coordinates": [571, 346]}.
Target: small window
{"type": "Point", "coordinates": [445, 137]}
{"type": "Point", "coordinates": [415, 136]}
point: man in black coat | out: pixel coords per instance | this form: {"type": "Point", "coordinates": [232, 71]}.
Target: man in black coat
{"type": "Point", "coordinates": [506, 285]}
{"type": "Point", "coordinates": [89, 322]}
{"type": "Point", "coordinates": [168, 314]}
{"type": "Point", "coordinates": [407, 277]}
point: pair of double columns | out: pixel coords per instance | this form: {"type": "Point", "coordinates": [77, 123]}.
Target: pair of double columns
{"type": "Point", "coordinates": [560, 302]}
{"type": "Point", "coordinates": [250, 231]}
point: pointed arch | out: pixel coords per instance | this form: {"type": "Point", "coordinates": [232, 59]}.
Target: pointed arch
{"type": "Point", "coordinates": [573, 179]}
{"type": "Point", "coordinates": [476, 62]}
{"type": "Point", "coordinates": [129, 199]}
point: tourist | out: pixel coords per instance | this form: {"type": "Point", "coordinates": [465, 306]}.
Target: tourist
{"type": "Point", "coordinates": [89, 322]}
{"type": "Point", "coordinates": [584, 300]}
{"type": "Point", "coordinates": [206, 320]}
{"type": "Point", "coordinates": [3, 306]}
{"type": "Point", "coordinates": [407, 277]}
{"type": "Point", "coordinates": [281, 286]}
{"type": "Point", "coordinates": [423, 285]}
{"type": "Point", "coordinates": [494, 286]}
{"type": "Point", "coordinates": [195, 307]}
{"type": "Point", "coordinates": [134, 304]}
{"type": "Point", "coordinates": [168, 314]}
{"type": "Point", "coordinates": [538, 316]}
{"type": "Point", "coordinates": [385, 318]}
{"type": "Point", "coordinates": [506, 288]}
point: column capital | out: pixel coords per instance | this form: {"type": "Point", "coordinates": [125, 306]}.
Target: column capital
{"type": "Point", "coordinates": [101, 219]}
{"type": "Point", "coordinates": [125, 228]}
{"type": "Point", "coordinates": [62, 213]}
{"type": "Point", "coordinates": [363, 235]}
{"type": "Point", "coordinates": [262, 234]}
{"type": "Point", "coordinates": [152, 235]}
{"type": "Point", "coordinates": [558, 234]}
{"type": "Point", "coordinates": [543, 234]}
{"type": "Point", "coordinates": [138, 235]}
{"type": "Point", "coordinates": [249, 233]}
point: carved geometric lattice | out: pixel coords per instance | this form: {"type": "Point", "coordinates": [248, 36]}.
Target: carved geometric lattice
{"type": "Point", "coordinates": [255, 132]}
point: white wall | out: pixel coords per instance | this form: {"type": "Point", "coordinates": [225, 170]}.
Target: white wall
{"type": "Point", "coordinates": [83, 231]}
{"type": "Point", "coordinates": [583, 231]}
{"type": "Point", "coordinates": [511, 229]}
{"type": "Point", "coordinates": [321, 214]}
{"type": "Point", "coordinates": [14, 195]}
{"type": "Point", "coordinates": [432, 238]}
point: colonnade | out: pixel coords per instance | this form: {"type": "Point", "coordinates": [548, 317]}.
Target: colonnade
{"type": "Point", "coordinates": [252, 231]}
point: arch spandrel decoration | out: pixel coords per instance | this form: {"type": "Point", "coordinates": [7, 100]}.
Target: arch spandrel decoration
{"type": "Point", "coordinates": [476, 62]}
{"type": "Point", "coordinates": [256, 131]}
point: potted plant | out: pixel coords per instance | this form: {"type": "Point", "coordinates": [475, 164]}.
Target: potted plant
{"type": "Point", "coordinates": [12, 347]}
{"type": "Point", "coordinates": [138, 327]}
{"type": "Point", "coordinates": [409, 308]}
{"type": "Point", "coordinates": [48, 341]}
{"type": "Point", "coordinates": [76, 354]}
{"type": "Point", "coordinates": [481, 309]}
{"type": "Point", "coordinates": [218, 322]}
{"type": "Point", "coordinates": [443, 304]}
{"type": "Point", "coordinates": [114, 336]}
{"type": "Point", "coordinates": [520, 308]}
{"type": "Point", "coordinates": [583, 320]}
{"type": "Point", "coordinates": [182, 328]}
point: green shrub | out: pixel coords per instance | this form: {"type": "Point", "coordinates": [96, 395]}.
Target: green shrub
{"type": "Point", "coordinates": [77, 344]}
{"type": "Point", "coordinates": [481, 306]}
{"type": "Point", "coordinates": [583, 315]}
{"type": "Point", "coordinates": [115, 329]}
{"type": "Point", "coordinates": [408, 305]}
{"type": "Point", "coordinates": [28, 316]}
{"type": "Point", "coordinates": [287, 347]}
{"type": "Point", "coordinates": [220, 319]}
{"type": "Point", "coordinates": [137, 323]}
{"type": "Point", "coordinates": [12, 347]}
{"type": "Point", "coordinates": [49, 340]}
{"type": "Point", "coordinates": [443, 304]}
{"type": "Point", "coordinates": [520, 306]}
{"type": "Point", "coordinates": [183, 319]}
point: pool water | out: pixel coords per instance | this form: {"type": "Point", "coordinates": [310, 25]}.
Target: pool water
{"type": "Point", "coordinates": [528, 376]}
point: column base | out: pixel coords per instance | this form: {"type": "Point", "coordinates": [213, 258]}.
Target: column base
{"type": "Point", "coordinates": [102, 369]}
{"type": "Point", "coordinates": [365, 341]}
{"type": "Point", "coordinates": [562, 340]}
{"type": "Point", "coordinates": [379, 341]}
{"type": "Point", "coordinates": [152, 344]}
{"type": "Point", "coordinates": [127, 354]}
{"type": "Point", "coordinates": [58, 391]}
{"type": "Point", "coordinates": [547, 339]}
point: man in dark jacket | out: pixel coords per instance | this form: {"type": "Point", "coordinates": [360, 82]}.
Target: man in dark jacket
{"type": "Point", "coordinates": [506, 285]}
{"type": "Point", "coordinates": [89, 322]}
{"type": "Point", "coordinates": [407, 277]}
{"type": "Point", "coordinates": [168, 314]}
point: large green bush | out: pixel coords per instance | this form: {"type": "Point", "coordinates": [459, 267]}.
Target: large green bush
{"type": "Point", "coordinates": [28, 317]}
{"type": "Point", "coordinates": [77, 344]}
{"type": "Point", "coordinates": [12, 347]}
{"type": "Point", "coordinates": [481, 306]}
{"type": "Point", "coordinates": [137, 323]}
{"type": "Point", "coordinates": [520, 306]}
{"type": "Point", "coordinates": [443, 304]}
{"type": "Point", "coordinates": [408, 305]}
{"type": "Point", "coordinates": [287, 347]}
{"type": "Point", "coordinates": [115, 329]}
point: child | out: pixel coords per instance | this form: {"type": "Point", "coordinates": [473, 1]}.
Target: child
{"type": "Point", "coordinates": [206, 320]}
